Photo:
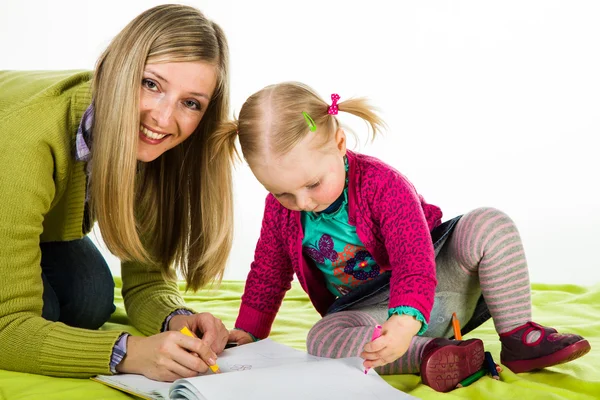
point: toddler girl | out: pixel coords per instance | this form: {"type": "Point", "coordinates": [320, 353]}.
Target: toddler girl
{"type": "Point", "coordinates": [369, 250]}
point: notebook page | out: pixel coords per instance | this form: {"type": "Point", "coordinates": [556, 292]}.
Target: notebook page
{"type": "Point", "coordinates": [340, 379]}
{"type": "Point", "coordinates": [263, 354]}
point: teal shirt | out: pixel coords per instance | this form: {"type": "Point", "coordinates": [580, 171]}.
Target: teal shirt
{"type": "Point", "coordinates": [334, 246]}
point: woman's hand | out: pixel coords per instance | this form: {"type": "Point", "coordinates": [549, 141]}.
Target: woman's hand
{"type": "Point", "coordinates": [167, 356]}
{"type": "Point", "coordinates": [240, 337]}
{"type": "Point", "coordinates": [204, 325]}
{"type": "Point", "coordinates": [396, 334]}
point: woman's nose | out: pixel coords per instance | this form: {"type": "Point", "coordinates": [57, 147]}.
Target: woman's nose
{"type": "Point", "coordinates": [162, 113]}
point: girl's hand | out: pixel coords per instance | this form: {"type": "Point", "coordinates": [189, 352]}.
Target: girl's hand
{"type": "Point", "coordinates": [204, 325]}
{"type": "Point", "coordinates": [396, 334]}
{"type": "Point", "coordinates": [240, 337]}
{"type": "Point", "coordinates": [167, 356]}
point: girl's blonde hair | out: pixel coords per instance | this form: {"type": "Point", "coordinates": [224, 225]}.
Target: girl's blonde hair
{"type": "Point", "coordinates": [271, 121]}
{"type": "Point", "coordinates": [178, 209]}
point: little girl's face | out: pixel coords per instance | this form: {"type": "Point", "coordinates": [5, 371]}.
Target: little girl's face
{"type": "Point", "coordinates": [308, 178]}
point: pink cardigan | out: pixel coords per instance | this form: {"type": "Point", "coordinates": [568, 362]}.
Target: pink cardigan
{"type": "Point", "coordinates": [393, 222]}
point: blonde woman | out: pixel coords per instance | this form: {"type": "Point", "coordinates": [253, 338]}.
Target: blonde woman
{"type": "Point", "coordinates": [128, 147]}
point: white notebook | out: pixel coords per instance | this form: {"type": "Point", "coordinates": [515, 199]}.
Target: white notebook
{"type": "Point", "coordinates": [267, 370]}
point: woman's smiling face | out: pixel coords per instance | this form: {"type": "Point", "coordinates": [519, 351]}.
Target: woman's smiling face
{"type": "Point", "coordinates": [173, 99]}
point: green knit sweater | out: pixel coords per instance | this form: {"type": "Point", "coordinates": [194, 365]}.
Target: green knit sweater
{"type": "Point", "coordinates": [42, 196]}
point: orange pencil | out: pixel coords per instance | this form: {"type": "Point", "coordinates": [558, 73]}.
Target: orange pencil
{"type": "Point", "coordinates": [456, 326]}
{"type": "Point", "coordinates": [214, 368]}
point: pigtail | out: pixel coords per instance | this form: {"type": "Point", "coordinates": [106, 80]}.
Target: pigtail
{"type": "Point", "coordinates": [361, 108]}
{"type": "Point", "coordinates": [223, 140]}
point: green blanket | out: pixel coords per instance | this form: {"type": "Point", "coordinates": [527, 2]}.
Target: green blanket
{"type": "Point", "coordinates": [565, 307]}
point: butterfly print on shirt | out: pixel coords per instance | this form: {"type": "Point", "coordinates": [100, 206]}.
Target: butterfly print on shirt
{"type": "Point", "coordinates": [323, 250]}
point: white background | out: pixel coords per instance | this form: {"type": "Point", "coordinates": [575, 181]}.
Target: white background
{"type": "Point", "coordinates": [488, 103]}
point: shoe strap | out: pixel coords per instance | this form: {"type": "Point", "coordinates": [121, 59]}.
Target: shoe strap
{"type": "Point", "coordinates": [533, 327]}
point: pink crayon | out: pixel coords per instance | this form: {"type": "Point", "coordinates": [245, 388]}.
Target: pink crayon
{"type": "Point", "coordinates": [376, 334]}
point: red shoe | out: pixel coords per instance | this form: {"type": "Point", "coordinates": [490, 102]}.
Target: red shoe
{"type": "Point", "coordinates": [550, 349]}
{"type": "Point", "coordinates": [446, 362]}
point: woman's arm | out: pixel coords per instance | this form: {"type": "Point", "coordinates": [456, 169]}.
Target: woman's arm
{"type": "Point", "coordinates": [149, 298]}
{"type": "Point", "coordinates": [33, 161]}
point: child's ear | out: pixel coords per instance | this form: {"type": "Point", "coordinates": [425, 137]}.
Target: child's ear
{"type": "Point", "coordinates": [340, 141]}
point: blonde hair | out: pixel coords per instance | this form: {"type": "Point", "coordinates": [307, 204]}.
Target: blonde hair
{"type": "Point", "coordinates": [272, 121]}
{"type": "Point", "coordinates": [178, 209]}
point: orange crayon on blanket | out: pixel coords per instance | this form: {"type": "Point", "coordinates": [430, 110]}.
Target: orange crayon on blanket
{"type": "Point", "coordinates": [187, 332]}
{"type": "Point", "coordinates": [456, 325]}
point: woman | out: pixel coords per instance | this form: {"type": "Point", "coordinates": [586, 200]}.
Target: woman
{"type": "Point", "coordinates": [128, 146]}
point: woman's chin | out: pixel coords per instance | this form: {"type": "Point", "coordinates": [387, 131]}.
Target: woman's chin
{"type": "Point", "coordinates": [147, 156]}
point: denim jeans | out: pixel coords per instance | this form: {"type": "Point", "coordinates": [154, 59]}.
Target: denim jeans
{"type": "Point", "coordinates": [377, 290]}
{"type": "Point", "coordinates": [78, 285]}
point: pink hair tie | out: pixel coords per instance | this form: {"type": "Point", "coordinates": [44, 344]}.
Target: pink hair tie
{"type": "Point", "coordinates": [333, 108]}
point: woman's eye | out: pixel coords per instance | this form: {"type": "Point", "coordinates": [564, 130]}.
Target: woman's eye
{"type": "Point", "coordinates": [194, 105]}
{"type": "Point", "coordinates": [149, 84]}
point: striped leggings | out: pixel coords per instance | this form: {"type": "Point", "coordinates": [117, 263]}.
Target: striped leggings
{"type": "Point", "coordinates": [484, 254]}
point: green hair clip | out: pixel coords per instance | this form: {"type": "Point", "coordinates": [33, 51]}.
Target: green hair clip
{"type": "Point", "coordinates": [311, 123]}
